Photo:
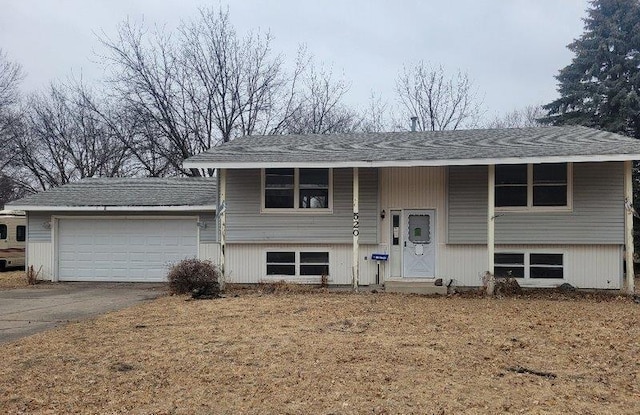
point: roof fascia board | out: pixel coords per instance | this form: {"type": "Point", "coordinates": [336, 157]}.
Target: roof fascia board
{"type": "Point", "coordinates": [411, 163]}
{"type": "Point", "coordinates": [114, 208]}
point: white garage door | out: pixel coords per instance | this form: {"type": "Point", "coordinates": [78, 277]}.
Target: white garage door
{"type": "Point", "coordinates": [123, 249]}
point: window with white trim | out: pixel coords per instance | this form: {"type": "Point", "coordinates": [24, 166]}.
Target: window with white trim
{"type": "Point", "coordinates": [297, 263]}
{"type": "Point", "coordinates": [531, 265]}
{"type": "Point", "coordinates": [533, 185]}
{"type": "Point", "coordinates": [297, 189]}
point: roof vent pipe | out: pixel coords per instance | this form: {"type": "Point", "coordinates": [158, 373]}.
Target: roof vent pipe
{"type": "Point", "coordinates": [414, 123]}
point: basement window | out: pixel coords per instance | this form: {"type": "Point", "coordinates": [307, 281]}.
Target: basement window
{"type": "Point", "coordinates": [314, 263]}
{"type": "Point", "coordinates": [281, 263]}
{"type": "Point", "coordinates": [529, 265]}
{"type": "Point", "coordinates": [297, 263]}
{"type": "Point", "coordinates": [533, 186]}
{"type": "Point", "coordinates": [297, 189]}
{"type": "Point", "coordinates": [509, 265]}
{"type": "Point", "coordinates": [546, 266]}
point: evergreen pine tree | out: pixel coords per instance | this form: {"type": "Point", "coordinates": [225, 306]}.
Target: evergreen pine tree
{"type": "Point", "coordinates": [601, 86]}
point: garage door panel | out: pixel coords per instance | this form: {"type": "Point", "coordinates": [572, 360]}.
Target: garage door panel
{"type": "Point", "coordinates": [123, 250]}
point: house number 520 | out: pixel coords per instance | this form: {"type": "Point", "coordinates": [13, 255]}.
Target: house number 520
{"type": "Point", "coordinates": [356, 224]}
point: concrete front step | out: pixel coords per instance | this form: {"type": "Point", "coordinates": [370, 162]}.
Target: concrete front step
{"type": "Point", "coordinates": [414, 287]}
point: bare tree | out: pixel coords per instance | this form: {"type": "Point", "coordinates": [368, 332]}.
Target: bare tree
{"type": "Point", "coordinates": [319, 108]}
{"type": "Point", "coordinates": [11, 75]}
{"type": "Point", "coordinates": [62, 140]}
{"type": "Point", "coordinates": [519, 118]}
{"type": "Point", "coordinates": [440, 102]}
{"type": "Point", "coordinates": [147, 147]}
{"type": "Point", "coordinates": [377, 116]}
{"type": "Point", "coordinates": [203, 87]}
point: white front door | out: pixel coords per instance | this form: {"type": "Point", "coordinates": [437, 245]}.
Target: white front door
{"type": "Point", "coordinates": [419, 241]}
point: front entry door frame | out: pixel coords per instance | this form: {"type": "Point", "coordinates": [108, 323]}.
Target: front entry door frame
{"type": "Point", "coordinates": [419, 257]}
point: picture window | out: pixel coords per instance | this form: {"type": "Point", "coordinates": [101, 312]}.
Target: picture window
{"type": "Point", "coordinates": [297, 189]}
{"type": "Point", "coordinates": [532, 185]}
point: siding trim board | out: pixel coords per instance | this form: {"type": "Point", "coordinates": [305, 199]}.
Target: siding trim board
{"type": "Point", "coordinates": [409, 163]}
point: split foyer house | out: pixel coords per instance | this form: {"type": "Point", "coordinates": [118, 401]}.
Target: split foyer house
{"type": "Point", "coordinates": [546, 205]}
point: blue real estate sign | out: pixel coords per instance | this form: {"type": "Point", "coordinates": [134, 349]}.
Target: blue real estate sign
{"type": "Point", "coordinates": [380, 257]}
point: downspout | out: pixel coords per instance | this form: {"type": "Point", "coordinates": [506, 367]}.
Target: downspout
{"type": "Point", "coordinates": [222, 214]}
{"type": "Point", "coordinates": [491, 216]}
{"type": "Point", "coordinates": [356, 229]}
{"type": "Point", "coordinates": [628, 227]}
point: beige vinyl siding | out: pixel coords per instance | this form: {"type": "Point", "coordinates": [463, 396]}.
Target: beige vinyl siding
{"type": "Point", "coordinates": [209, 252]}
{"type": "Point", "coordinates": [38, 226]}
{"type": "Point", "coordinates": [585, 266]}
{"type": "Point", "coordinates": [597, 216]}
{"type": "Point", "coordinates": [246, 263]}
{"type": "Point", "coordinates": [40, 257]}
{"type": "Point", "coordinates": [247, 224]}
{"type": "Point", "coordinates": [413, 188]}
{"type": "Point", "coordinates": [208, 233]}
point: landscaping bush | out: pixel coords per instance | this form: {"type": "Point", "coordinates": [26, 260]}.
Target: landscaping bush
{"type": "Point", "coordinates": [195, 277]}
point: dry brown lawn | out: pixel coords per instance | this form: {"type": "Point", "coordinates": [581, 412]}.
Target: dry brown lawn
{"type": "Point", "coordinates": [13, 279]}
{"type": "Point", "coordinates": [334, 353]}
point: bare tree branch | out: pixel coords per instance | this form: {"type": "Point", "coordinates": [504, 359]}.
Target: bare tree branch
{"type": "Point", "coordinates": [439, 102]}
{"type": "Point", "coordinates": [519, 118]}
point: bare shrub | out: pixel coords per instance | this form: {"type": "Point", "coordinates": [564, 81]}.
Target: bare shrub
{"type": "Point", "coordinates": [32, 275]}
{"type": "Point", "coordinates": [282, 286]}
{"type": "Point", "coordinates": [196, 277]}
{"type": "Point", "coordinates": [324, 280]}
{"type": "Point", "coordinates": [507, 287]}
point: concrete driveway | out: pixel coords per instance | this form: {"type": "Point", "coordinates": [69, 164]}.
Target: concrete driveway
{"type": "Point", "coordinates": [26, 311]}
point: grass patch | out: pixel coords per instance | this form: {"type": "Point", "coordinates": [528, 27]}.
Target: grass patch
{"type": "Point", "coordinates": [13, 279]}
{"type": "Point", "coordinates": [333, 352]}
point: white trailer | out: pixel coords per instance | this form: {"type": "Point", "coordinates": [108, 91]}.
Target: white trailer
{"type": "Point", "coordinates": [13, 236]}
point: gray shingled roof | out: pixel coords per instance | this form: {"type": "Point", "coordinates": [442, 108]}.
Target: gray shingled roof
{"type": "Point", "coordinates": [122, 192]}
{"type": "Point", "coordinates": [419, 148]}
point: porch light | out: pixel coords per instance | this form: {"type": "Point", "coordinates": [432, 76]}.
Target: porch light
{"type": "Point", "coordinates": [383, 214]}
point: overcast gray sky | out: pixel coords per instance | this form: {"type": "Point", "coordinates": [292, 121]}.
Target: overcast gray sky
{"type": "Point", "coordinates": [510, 48]}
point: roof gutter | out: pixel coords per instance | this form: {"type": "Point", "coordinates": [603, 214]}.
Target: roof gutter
{"type": "Point", "coordinates": [34, 208]}
{"type": "Point", "coordinates": [408, 163]}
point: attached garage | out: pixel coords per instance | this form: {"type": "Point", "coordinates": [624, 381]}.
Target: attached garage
{"type": "Point", "coordinates": [134, 250]}
{"type": "Point", "coordinates": [120, 230]}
